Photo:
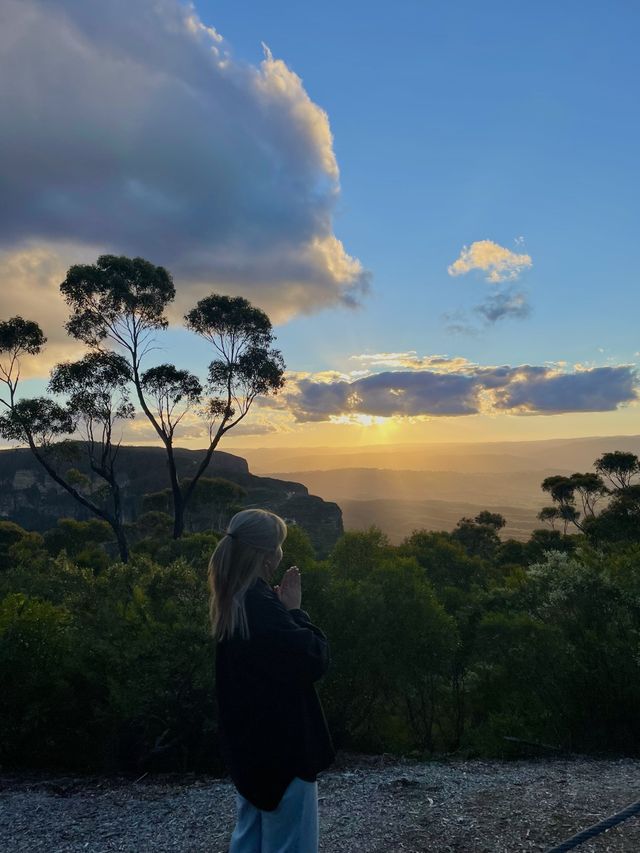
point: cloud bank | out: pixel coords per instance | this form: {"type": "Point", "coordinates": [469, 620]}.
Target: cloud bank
{"type": "Point", "coordinates": [440, 386]}
{"type": "Point", "coordinates": [129, 127]}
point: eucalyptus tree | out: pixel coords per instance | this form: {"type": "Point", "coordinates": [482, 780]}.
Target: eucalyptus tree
{"type": "Point", "coordinates": [169, 395]}
{"type": "Point", "coordinates": [18, 337]}
{"type": "Point", "coordinates": [591, 489]}
{"type": "Point", "coordinates": [569, 515]}
{"type": "Point", "coordinates": [122, 302]}
{"type": "Point", "coordinates": [620, 520]}
{"type": "Point", "coordinates": [549, 514]}
{"type": "Point", "coordinates": [619, 467]}
{"type": "Point", "coordinates": [479, 535]}
{"type": "Point", "coordinates": [563, 493]}
{"type": "Point", "coordinates": [561, 488]}
{"type": "Point", "coordinates": [98, 398]}
{"type": "Point", "coordinates": [36, 422]}
{"type": "Point", "coordinates": [245, 366]}
{"type": "Point", "coordinates": [46, 426]}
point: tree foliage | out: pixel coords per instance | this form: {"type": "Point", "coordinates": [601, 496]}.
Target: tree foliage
{"type": "Point", "coordinates": [619, 467]}
{"type": "Point", "coordinates": [479, 535]}
{"type": "Point", "coordinates": [18, 337]}
{"type": "Point", "coordinates": [117, 298]}
{"type": "Point", "coordinates": [123, 301]}
{"type": "Point", "coordinates": [617, 521]}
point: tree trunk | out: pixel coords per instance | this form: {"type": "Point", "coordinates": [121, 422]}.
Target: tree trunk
{"type": "Point", "coordinates": [118, 527]}
{"type": "Point", "coordinates": [67, 486]}
{"type": "Point", "coordinates": [178, 527]}
{"type": "Point", "coordinates": [178, 518]}
{"type": "Point", "coordinates": [167, 440]}
{"type": "Point", "coordinates": [178, 498]}
{"type": "Point", "coordinates": [123, 546]}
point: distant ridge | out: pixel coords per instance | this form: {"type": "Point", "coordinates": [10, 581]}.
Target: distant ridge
{"type": "Point", "coordinates": [518, 488]}
{"type": "Point", "coordinates": [561, 453]}
{"type": "Point", "coordinates": [404, 487]}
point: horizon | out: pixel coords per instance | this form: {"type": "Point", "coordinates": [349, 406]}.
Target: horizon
{"type": "Point", "coordinates": [388, 446]}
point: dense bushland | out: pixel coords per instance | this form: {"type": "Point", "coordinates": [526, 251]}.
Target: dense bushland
{"type": "Point", "coordinates": [449, 641]}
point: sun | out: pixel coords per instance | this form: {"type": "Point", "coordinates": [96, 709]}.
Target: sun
{"type": "Point", "coordinates": [359, 420]}
{"type": "Point", "coordinates": [368, 429]}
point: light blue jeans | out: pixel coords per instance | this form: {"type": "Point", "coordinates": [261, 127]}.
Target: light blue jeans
{"type": "Point", "coordinates": [291, 828]}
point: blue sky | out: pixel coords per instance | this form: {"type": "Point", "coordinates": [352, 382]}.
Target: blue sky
{"type": "Point", "coordinates": [456, 122]}
{"type": "Point", "coordinates": [164, 129]}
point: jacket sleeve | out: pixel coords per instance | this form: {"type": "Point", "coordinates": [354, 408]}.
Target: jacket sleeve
{"type": "Point", "coordinates": [286, 646]}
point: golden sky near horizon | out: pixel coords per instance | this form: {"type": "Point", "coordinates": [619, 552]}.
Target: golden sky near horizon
{"type": "Point", "coordinates": [472, 429]}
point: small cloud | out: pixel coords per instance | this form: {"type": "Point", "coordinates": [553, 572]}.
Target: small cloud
{"type": "Point", "coordinates": [456, 323]}
{"type": "Point", "coordinates": [504, 304]}
{"type": "Point", "coordinates": [499, 263]}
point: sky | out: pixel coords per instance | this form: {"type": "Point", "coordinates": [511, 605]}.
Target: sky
{"type": "Point", "coordinates": [435, 202]}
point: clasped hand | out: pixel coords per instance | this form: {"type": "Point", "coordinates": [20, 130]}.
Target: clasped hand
{"type": "Point", "coordinates": [289, 590]}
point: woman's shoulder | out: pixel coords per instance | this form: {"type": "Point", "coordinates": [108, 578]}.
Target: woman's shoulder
{"type": "Point", "coordinates": [264, 608]}
{"type": "Point", "coordinates": [260, 595]}
{"type": "Point", "coordinates": [260, 589]}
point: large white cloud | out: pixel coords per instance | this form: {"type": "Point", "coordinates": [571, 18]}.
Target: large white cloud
{"type": "Point", "coordinates": [129, 127]}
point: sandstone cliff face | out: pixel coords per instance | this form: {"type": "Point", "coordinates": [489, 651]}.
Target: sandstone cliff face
{"type": "Point", "coordinates": [32, 499]}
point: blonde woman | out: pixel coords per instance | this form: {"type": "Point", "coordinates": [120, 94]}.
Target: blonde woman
{"type": "Point", "coordinates": [272, 730]}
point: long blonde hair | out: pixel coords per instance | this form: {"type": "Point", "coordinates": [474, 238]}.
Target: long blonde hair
{"type": "Point", "coordinates": [253, 535]}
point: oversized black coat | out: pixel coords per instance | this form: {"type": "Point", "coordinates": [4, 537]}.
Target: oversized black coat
{"type": "Point", "coordinates": [271, 726]}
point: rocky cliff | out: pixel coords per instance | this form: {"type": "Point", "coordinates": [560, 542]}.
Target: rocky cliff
{"type": "Point", "coordinates": [31, 498]}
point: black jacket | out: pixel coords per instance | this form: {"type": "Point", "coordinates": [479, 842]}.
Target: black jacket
{"type": "Point", "coordinates": [271, 726]}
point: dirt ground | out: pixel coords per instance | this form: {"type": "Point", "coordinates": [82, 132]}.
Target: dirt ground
{"type": "Point", "coordinates": [367, 804]}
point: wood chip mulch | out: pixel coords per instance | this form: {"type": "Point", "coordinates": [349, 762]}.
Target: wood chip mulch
{"type": "Point", "coordinates": [367, 804]}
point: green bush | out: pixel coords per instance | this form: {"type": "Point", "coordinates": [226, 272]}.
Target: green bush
{"type": "Point", "coordinates": [11, 536]}
{"type": "Point", "coordinates": [111, 666]}
{"type": "Point", "coordinates": [36, 650]}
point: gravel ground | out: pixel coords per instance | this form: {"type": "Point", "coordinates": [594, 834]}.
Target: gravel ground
{"type": "Point", "coordinates": [367, 804]}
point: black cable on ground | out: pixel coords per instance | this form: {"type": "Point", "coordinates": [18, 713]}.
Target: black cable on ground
{"type": "Point", "coordinates": [597, 828]}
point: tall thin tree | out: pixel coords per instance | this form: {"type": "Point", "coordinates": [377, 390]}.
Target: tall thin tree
{"type": "Point", "coordinates": [42, 423]}
{"type": "Point", "coordinates": [123, 301]}
{"type": "Point", "coordinates": [97, 391]}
